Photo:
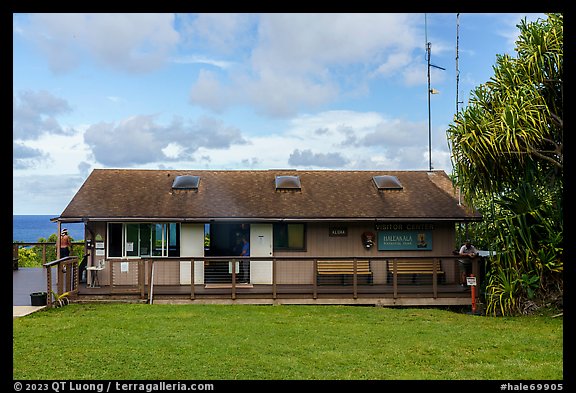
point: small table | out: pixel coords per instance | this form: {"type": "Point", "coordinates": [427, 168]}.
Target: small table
{"type": "Point", "coordinates": [94, 282]}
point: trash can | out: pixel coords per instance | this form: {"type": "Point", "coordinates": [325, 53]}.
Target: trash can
{"type": "Point", "coordinates": [38, 298]}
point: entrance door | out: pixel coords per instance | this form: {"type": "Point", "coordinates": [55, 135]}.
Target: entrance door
{"type": "Point", "coordinates": [261, 246]}
{"type": "Point", "coordinates": [191, 245]}
{"type": "Point", "coordinates": [226, 242]}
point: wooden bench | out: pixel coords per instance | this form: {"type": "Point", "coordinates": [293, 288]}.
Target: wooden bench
{"type": "Point", "coordinates": [342, 269]}
{"type": "Point", "coordinates": [414, 267]}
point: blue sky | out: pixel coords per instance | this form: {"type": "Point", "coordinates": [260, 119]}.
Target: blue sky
{"type": "Point", "coordinates": [237, 91]}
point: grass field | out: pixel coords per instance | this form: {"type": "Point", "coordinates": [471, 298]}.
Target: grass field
{"type": "Point", "coordinates": [223, 342]}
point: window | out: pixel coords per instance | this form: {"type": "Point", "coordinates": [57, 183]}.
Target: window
{"type": "Point", "coordinates": [115, 240]}
{"type": "Point", "coordinates": [173, 239]}
{"type": "Point", "coordinates": [132, 244]}
{"type": "Point", "coordinates": [143, 239]}
{"type": "Point", "coordinates": [289, 237]}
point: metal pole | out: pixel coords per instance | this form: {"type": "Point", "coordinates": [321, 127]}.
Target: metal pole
{"type": "Point", "coordinates": [457, 69]}
{"type": "Point", "coordinates": [429, 115]}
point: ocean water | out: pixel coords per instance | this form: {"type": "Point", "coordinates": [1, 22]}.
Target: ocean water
{"type": "Point", "coordinates": [30, 228]}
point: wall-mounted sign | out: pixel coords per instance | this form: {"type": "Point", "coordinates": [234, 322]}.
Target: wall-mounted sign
{"type": "Point", "coordinates": [99, 244]}
{"type": "Point", "coordinates": [334, 231]}
{"type": "Point", "coordinates": [403, 226]}
{"type": "Point", "coordinates": [404, 240]}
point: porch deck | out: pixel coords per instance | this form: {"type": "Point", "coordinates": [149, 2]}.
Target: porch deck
{"type": "Point", "coordinates": [406, 295]}
{"type": "Point", "coordinates": [396, 291]}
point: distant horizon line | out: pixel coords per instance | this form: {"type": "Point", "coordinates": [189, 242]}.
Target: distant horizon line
{"type": "Point", "coordinates": [35, 214]}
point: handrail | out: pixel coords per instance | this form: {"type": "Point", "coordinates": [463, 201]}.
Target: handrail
{"type": "Point", "coordinates": [57, 261]}
{"type": "Point", "coordinates": [19, 243]}
{"type": "Point", "coordinates": [296, 257]}
{"type": "Point", "coordinates": [70, 285]}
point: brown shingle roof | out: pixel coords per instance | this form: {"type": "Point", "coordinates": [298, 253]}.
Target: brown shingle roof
{"type": "Point", "coordinates": [344, 195]}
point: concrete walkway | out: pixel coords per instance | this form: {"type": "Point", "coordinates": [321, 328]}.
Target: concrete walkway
{"type": "Point", "coordinates": [22, 311]}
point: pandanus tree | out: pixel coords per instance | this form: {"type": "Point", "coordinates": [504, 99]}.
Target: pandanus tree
{"type": "Point", "coordinates": [507, 154]}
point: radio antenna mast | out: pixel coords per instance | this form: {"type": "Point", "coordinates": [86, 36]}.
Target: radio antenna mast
{"type": "Point", "coordinates": [430, 91]}
{"type": "Point", "coordinates": [457, 81]}
{"type": "Point", "coordinates": [457, 69]}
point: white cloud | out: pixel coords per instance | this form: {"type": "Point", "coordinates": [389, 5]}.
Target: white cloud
{"type": "Point", "coordinates": [196, 59]}
{"type": "Point", "coordinates": [285, 95]}
{"type": "Point", "coordinates": [333, 140]}
{"type": "Point", "coordinates": [304, 61]}
{"type": "Point", "coordinates": [128, 42]}
{"type": "Point", "coordinates": [223, 33]}
{"type": "Point", "coordinates": [52, 192]}
{"type": "Point", "coordinates": [210, 93]}
{"type": "Point", "coordinates": [140, 140]}
{"type": "Point", "coordinates": [34, 113]}
{"type": "Point", "coordinates": [310, 42]}
{"type": "Point", "coordinates": [307, 158]}
{"type": "Point", "coordinates": [173, 150]}
{"type": "Point", "coordinates": [58, 153]}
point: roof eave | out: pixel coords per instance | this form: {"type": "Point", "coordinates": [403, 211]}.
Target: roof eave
{"type": "Point", "coordinates": [266, 219]}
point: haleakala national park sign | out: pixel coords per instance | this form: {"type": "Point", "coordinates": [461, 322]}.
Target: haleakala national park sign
{"type": "Point", "coordinates": [400, 236]}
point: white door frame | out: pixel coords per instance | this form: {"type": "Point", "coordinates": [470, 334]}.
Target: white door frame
{"type": "Point", "coordinates": [261, 240]}
{"type": "Point", "coordinates": [191, 245]}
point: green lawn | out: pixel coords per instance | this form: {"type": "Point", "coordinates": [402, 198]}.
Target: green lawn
{"type": "Point", "coordinates": [218, 342]}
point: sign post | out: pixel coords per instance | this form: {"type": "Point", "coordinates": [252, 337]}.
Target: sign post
{"type": "Point", "coordinates": [471, 281]}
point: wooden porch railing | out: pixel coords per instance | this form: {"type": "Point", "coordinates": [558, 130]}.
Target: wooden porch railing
{"type": "Point", "coordinates": [142, 285]}
{"type": "Point", "coordinates": [67, 277]}
{"type": "Point", "coordinates": [17, 245]}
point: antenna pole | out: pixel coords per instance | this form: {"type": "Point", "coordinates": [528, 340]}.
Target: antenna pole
{"type": "Point", "coordinates": [428, 50]}
{"type": "Point", "coordinates": [457, 69]}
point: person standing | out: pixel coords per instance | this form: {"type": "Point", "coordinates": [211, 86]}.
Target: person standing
{"type": "Point", "coordinates": [245, 263]}
{"type": "Point", "coordinates": [469, 251]}
{"type": "Point", "coordinates": [65, 243]}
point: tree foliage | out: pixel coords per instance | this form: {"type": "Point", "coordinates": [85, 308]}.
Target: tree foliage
{"type": "Point", "coordinates": [32, 256]}
{"type": "Point", "coordinates": [507, 152]}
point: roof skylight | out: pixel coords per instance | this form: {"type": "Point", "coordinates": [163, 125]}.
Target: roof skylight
{"type": "Point", "coordinates": [387, 182]}
{"type": "Point", "coordinates": [186, 182]}
{"type": "Point", "coordinates": [288, 183]}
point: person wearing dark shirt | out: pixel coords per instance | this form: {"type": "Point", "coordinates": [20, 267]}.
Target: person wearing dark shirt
{"type": "Point", "coordinates": [245, 263]}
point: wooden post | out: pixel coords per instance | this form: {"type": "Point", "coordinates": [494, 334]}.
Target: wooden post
{"type": "Point", "coordinates": [14, 256]}
{"type": "Point", "coordinates": [142, 278]}
{"type": "Point", "coordinates": [49, 285]}
{"type": "Point", "coordinates": [315, 278]}
{"type": "Point", "coordinates": [274, 278]}
{"type": "Point", "coordinates": [192, 278]}
{"type": "Point", "coordinates": [395, 277]}
{"type": "Point", "coordinates": [355, 280]}
{"type": "Point", "coordinates": [233, 278]}
{"type": "Point", "coordinates": [60, 275]}
{"type": "Point", "coordinates": [58, 240]}
{"type": "Point", "coordinates": [475, 267]}
{"type": "Point", "coordinates": [435, 263]}
{"type": "Point", "coordinates": [110, 275]}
